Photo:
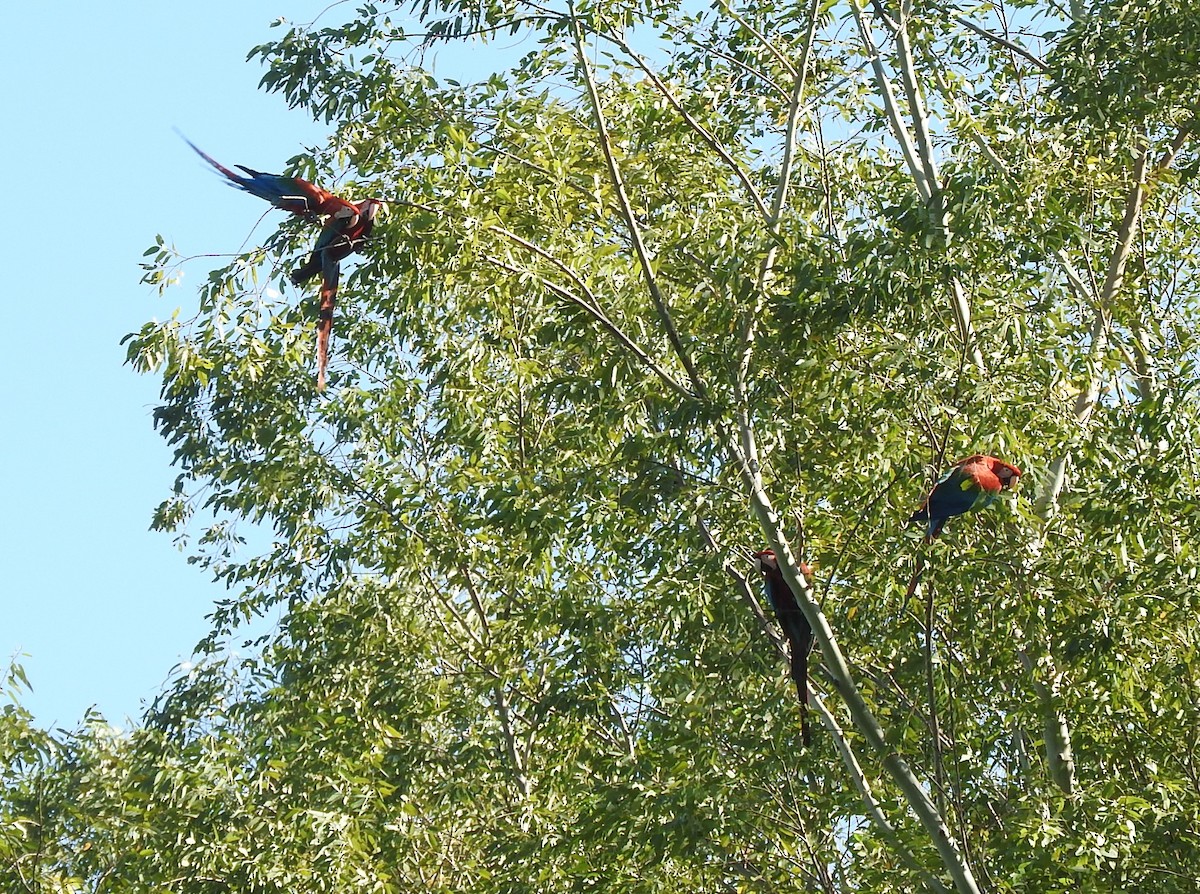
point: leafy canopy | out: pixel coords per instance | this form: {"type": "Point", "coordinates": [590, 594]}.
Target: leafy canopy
{"type": "Point", "coordinates": [677, 282]}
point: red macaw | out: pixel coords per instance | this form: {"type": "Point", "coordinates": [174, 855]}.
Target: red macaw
{"type": "Point", "coordinates": [971, 483]}
{"type": "Point", "coordinates": [347, 227]}
{"type": "Point", "coordinates": [795, 626]}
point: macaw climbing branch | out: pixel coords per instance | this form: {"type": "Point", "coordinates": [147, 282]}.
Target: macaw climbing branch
{"type": "Point", "coordinates": [744, 453]}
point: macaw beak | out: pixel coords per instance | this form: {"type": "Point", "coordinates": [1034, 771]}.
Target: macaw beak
{"type": "Point", "coordinates": [370, 208]}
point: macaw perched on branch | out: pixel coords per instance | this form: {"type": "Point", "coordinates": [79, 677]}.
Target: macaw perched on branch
{"type": "Point", "coordinates": [795, 626]}
{"type": "Point", "coordinates": [971, 484]}
{"type": "Point", "coordinates": [347, 227]}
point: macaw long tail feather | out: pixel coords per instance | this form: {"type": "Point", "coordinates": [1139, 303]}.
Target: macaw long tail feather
{"type": "Point", "coordinates": [234, 177]}
{"type": "Point", "coordinates": [915, 579]}
{"type": "Point", "coordinates": [800, 676]}
{"type": "Point", "coordinates": [324, 328]}
{"type": "Point", "coordinates": [800, 641]}
{"type": "Point", "coordinates": [800, 673]}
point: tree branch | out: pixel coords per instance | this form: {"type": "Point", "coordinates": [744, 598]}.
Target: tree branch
{"type": "Point", "coordinates": [1057, 733]}
{"type": "Point", "coordinates": [780, 57]}
{"type": "Point", "coordinates": [766, 270]}
{"type": "Point", "coordinates": [1060, 757]}
{"type": "Point", "coordinates": [920, 159]}
{"type": "Point", "coordinates": [916, 111]}
{"type": "Point", "coordinates": [859, 779]}
{"type": "Point", "coordinates": [891, 108]}
{"type": "Point", "coordinates": [747, 593]}
{"type": "Point", "coordinates": [1085, 401]}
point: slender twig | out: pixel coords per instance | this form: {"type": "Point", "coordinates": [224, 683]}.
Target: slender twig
{"type": "Point", "coordinates": [747, 593]}
{"type": "Point", "coordinates": [711, 50]}
{"type": "Point", "coordinates": [767, 45]}
{"type": "Point", "coordinates": [1001, 41]}
{"type": "Point", "coordinates": [635, 232]}
{"type": "Point", "coordinates": [612, 328]}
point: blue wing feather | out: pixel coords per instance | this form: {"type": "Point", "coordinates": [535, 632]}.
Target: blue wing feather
{"type": "Point", "coordinates": [954, 494]}
{"type": "Point", "coordinates": [287, 193]}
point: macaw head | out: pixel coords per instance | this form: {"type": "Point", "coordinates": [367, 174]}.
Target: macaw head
{"type": "Point", "coordinates": [764, 561]}
{"type": "Point", "coordinates": [368, 208]}
{"type": "Point", "coordinates": [1008, 474]}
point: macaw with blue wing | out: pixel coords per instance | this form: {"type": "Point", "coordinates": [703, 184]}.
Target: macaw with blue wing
{"type": "Point", "coordinates": [970, 484]}
{"type": "Point", "coordinates": [347, 226]}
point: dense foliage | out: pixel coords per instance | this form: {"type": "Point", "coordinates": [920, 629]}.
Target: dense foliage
{"type": "Point", "coordinates": [678, 282]}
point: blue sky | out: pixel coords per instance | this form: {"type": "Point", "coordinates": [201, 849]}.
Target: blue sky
{"type": "Point", "coordinates": [97, 608]}
{"type": "Point", "coordinates": [101, 607]}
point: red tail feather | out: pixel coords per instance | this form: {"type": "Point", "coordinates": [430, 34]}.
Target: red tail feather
{"type": "Point", "coordinates": [324, 328]}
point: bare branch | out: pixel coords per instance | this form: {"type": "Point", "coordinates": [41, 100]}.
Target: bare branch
{"type": "Point", "coordinates": [1057, 734]}
{"type": "Point", "coordinates": [916, 110]}
{"type": "Point", "coordinates": [789, 143]}
{"type": "Point", "coordinates": [1085, 402]}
